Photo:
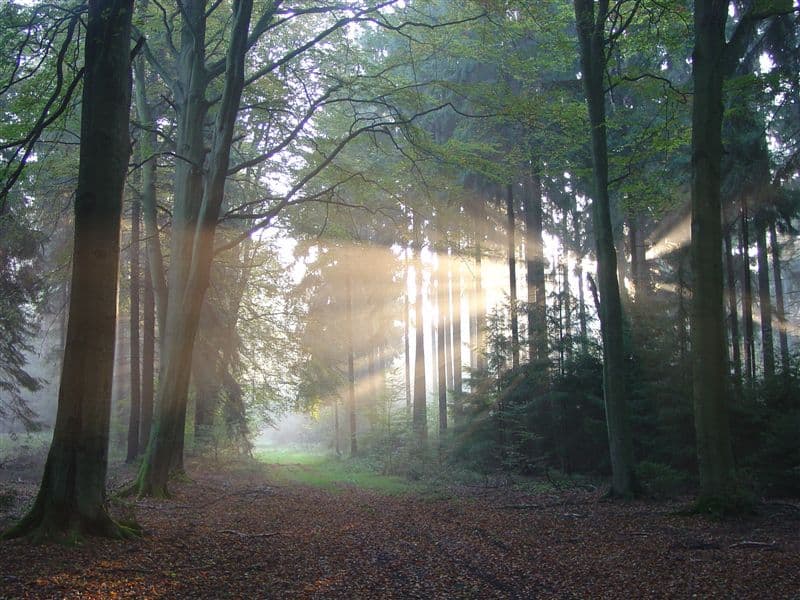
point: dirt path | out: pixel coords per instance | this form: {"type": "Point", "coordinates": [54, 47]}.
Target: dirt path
{"type": "Point", "coordinates": [246, 536]}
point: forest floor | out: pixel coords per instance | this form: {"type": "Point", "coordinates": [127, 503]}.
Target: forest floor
{"type": "Point", "coordinates": [295, 530]}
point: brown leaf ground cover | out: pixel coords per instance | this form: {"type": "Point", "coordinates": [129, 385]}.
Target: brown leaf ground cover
{"type": "Point", "coordinates": [250, 533]}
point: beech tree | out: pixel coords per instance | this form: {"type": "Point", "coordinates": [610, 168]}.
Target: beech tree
{"type": "Point", "coordinates": [592, 18]}
{"type": "Point", "coordinates": [715, 59]}
{"type": "Point", "coordinates": [717, 477]}
{"type": "Point", "coordinates": [72, 496]}
{"type": "Point", "coordinates": [197, 207]}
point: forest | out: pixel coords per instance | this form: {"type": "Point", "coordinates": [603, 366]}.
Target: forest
{"type": "Point", "coordinates": [399, 299]}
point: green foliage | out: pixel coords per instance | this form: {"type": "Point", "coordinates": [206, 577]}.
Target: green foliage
{"type": "Point", "coordinates": [660, 480]}
{"type": "Point", "coordinates": [20, 284]}
{"type": "Point", "coordinates": [7, 499]}
{"type": "Point", "coordinates": [765, 425]}
{"type": "Point", "coordinates": [737, 503]}
{"type": "Point", "coordinates": [539, 418]}
{"type": "Point", "coordinates": [531, 420]}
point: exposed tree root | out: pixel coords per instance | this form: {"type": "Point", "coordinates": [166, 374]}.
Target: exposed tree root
{"type": "Point", "coordinates": [40, 526]}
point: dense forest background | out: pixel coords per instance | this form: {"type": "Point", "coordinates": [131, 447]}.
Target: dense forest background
{"type": "Point", "coordinates": [476, 237]}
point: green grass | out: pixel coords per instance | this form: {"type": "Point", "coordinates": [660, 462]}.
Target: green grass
{"type": "Point", "coordinates": [327, 471]}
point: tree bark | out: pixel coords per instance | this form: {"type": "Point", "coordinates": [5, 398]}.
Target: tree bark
{"type": "Point", "coordinates": [194, 226]}
{"type": "Point", "coordinates": [764, 300]}
{"type": "Point", "coordinates": [512, 276]}
{"type": "Point", "coordinates": [336, 426]}
{"type": "Point", "coordinates": [148, 143]}
{"type": "Point", "coordinates": [576, 227]}
{"type": "Point", "coordinates": [715, 456]}
{"type": "Point", "coordinates": [480, 304]}
{"type": "Point", "coordinates": [591, 34]}
{"type": "Point", "coordinates": [638, 249]}
{"type": "Point", "coordinates": [733, 316]}
{"type": "Point", "coordinates": [207, 383]}
{"type": "Point", "coordinates": [407, 332]}
{"type": "Point", "coordinates": [582, 309]}
{"type": "Point", "coordinates": [72, 497]}
{"type": "Point", "coordinates": [351, 377]}
{"type": "Point", "coordinates": [457, 359]}
{"type": "Point", "coordinates": [135, 381]}
{"type": "Point", "coordinates": [148, 356]}
{"type": "Point", "coordinates": [534, 276]}
{"type": "Point", "coordinates": [747, 298]}
{"type": "Point", "coordinates": [447, 311]}
{"type": "Point", "coordinates": [780, 311]}
{"type": "Point", "coordinates": [420, 412]}
{"type": "Point", "coordinates": [441, 344]}
{"type": "Point", "coordinates": [567, 295]}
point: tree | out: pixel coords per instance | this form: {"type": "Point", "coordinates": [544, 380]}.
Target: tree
{"type": "Point", "coordinates": [419, 406]}
{"type": "Point", "coordinates": [512, 275]}
{"type": "Point", "coordinates": [72, 497]}
{"type": "Point", "coordinates": [19, 288]}
{"type": "Point", "coordinates": [197, 209]}
{"type": "Point", "coordinates": [534, 272]}
{"type": "Point", "coordinates": [134, 421]}
{"type": "Point", "coordinates": [592, 37]}
{"type": "Point", "coordinates": [714, 60]}
{"type": "Point", "coordinates": [709, 379]}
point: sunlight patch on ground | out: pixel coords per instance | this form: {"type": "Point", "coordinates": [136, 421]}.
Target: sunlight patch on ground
{"type": "Point", "coordinates": [318, 469]}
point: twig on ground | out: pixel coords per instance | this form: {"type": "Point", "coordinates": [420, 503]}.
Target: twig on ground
{"type": "Point", "coordinates": [248, 535]}
{"type": "Point", "coordinates": [751, 544]}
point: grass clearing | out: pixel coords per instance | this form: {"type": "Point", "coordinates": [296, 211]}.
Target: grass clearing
{"type": "Point", "coordinates": [318, 469]}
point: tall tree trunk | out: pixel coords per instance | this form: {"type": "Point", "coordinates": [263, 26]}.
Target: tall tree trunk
{"type": "Point", "coordinates": [148, 356]}
{"type": "Point", "coordinates": [582, 309]}
{"type": "Point", "coordinates": [747, 298]}
{"type": "Point", "coordinates": [72, 496]}
{"type": "Point", "coordinates": [121, 373]}
{"type": "Point", "coordinates": [447, 311]}
{"type": "Point", "coordinates": [512, 275]}
{"type": "Point", "coordinates": [336, 426]}
{"type": "Point", "coordinates": [561, 344]}
{"type": "Point", "coordinates": [194, 225]}
{"type": "Point", "coordinates": [577, 242]}
{"type": "Point", "coordinates": [591, 34]}
{"type": "Point", "coordinates": [135, 413]}
{"type": "Point", "coordinates": [147, 144]}
{"type": "Point", "coordinates": [178, 334]}
{"type": "Point", "coordinates": [372, 383]}
{"type": "Point", "coordinates": [780, 312]}
{"type": "Point", "coordinates": [764, 300]}
{"type": "Point", "coordinates": [420, 412]}
{"type": "Point", "coordinates": [622, 267]}
{"type": "Point", "coordinates": [683, 323]}
{"type": "Point", "coordinates": [567, 295]}
{"type": "Point", "coordinates": [714, 453]}
{"type": "Point", "coordinates": [469, 305]}
{"type": "Point", "coordinates": [457, 360]}
{"type": "Point", "coordinates": [351, 377]}
{"type": "Point", "coordinates": [534, 276]}
{"type": "Point", "coordinates": [733, 316]}
{"type": "Point", "coordinates": [441, 344]}
{"type": "Point", "coordinates": [480, 303]}
{"type": "Point", "coordinates": [638, 249]}
{"type": "Point", "coordinates": [207, 383]}
{"type": "Point", "coordinates": [407, 332]}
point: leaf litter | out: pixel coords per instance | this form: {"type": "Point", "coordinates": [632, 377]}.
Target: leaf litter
{"type": "Point", "coordinates": [249, 534]}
